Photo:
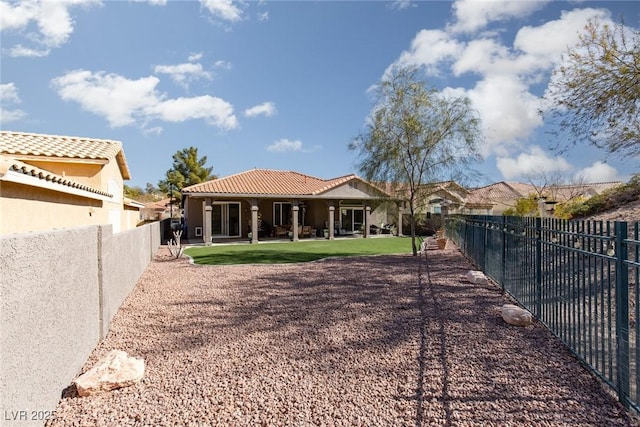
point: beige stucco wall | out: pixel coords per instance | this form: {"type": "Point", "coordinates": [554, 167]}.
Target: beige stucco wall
{"type": "Point", "coordinates": [24, 208]}
{"type": "Point", "coordinates": [59, 291]}
{"type": "Point", "coordinates": [85, 173]}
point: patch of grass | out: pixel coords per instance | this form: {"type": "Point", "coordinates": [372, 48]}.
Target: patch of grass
{"type": "Point", "coordinates": [290, 252]}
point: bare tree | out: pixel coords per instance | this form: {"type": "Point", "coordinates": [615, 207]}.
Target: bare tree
{"type": "Point", "coordinates": [594, 96]}
{"type": "Point", "coordinates": [416, 136]}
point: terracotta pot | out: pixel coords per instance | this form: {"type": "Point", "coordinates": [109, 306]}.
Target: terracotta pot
{"type": "Point", "coordinates": [442, 242]}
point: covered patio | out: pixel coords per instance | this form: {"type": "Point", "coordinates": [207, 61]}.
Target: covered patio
{"type": "Point", "coordinates": [271, 204]}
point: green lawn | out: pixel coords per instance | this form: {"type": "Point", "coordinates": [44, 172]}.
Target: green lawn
{"type": "Point", "coordinates": [287, 252]}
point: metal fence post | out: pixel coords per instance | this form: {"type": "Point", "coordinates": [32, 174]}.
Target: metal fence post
{"type": "Point", "coordinates": [504, 252]}
{"type": "Point", "coordinates": [538, 261]}
{"type": "Point", "coordinates": [622, 314]}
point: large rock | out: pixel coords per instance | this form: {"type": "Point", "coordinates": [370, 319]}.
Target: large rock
{"type": "Point", "coordinates": [514, 315]}
{"type": "Point", "coordinates": [115, 370]}
{"type": "Point", "coordinates": [477, 277]}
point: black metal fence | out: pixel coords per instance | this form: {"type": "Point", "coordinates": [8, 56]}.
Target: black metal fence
{"type": "Point", "coordinates": [579, 278]}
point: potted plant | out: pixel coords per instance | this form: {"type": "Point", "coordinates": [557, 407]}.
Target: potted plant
{"type": "Point", "coordinates": [441, 239]}
{"type": "Point", "coordinates": [326, 233]}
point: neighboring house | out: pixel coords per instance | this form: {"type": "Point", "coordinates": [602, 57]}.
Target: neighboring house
{"type": "Point", "coordinates": [267, 202]}
{"type": "Point", "coordinates": [158, 210]}
{"type": "Point", "coordinates": [449, 197]}
{"type": "Point", "coordinates": [496, 198]}
{"type": "Point", "coordinates": [49, 182]}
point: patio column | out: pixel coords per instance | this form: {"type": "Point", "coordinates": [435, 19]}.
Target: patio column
{"type": "Point", "coordinates": [367, 221]}
{"type": "Point", "coordinates": [294, 223]}
{"type": "Point", "coordinates": [400, 212]}
{"type": "Point", "coordinates": [206, 222]}
{"type": "Point", "coordinates": [254, 221]}
{"type": "Point", "coordinates": [331, 221]}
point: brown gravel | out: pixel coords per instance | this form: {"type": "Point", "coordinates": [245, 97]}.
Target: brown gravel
{"type": "Point", "coordinates": [367, 341]}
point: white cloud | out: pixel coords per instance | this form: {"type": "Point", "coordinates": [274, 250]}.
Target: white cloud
{"type": "Point", "coordinates": [196, 56]}
{"type": "Point", "coordinates": [123, 102]}
{"type": "Point", "coordinates": [19, 51]}
{"type": "Point", "coordinates": [531, 162]}
{"type": "Point", "coordinates": [504, 73]}
{"type": "Point", "coordinates": [9, 93]}
{"type": "Point", "coordinates": [52, 18]}
{"type": "Point", "coordinates": [545, 44]}
{"type": "Point", "coordinates": [183, 74]}
{"type": "Point", "coordinates": [214, 111]}
{"type": "Point", "coordinates": [473, 15]}
{"type": "Point", "coordinates": [263, 16]}
{"type": "Point", "coordinates": [224, 9]}
{"type": "Point", "coordinates": [598, 172]}
{"type": "Point", "coordinates": [8, 97]}
{"type": "Point", "coordinates": [153, 2]}
{"type": "Point", "coordinates": [401, 4]}
{"type": "Point", "coordinates": [285, 145]}
{"type": "Point", "coordinates": [226, 65]}
{"type": "Point", "coordinates": [17, 16]}
{"type": "Point", "coordinates": [509, 112]}
{"type": "Point", "coordinates": [266, 108]}
{"type": "Point", "coordinates": [429, 48]}
{"type": "Point", "coordinates": [10, 116]}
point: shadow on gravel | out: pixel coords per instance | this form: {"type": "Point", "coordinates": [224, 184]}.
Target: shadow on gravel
{"type": "Point", "coordinates": [376, 295]}
{"type": "Point", "coordinates": [429, 346]}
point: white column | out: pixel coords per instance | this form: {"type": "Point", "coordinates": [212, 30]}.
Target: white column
{"type": "Point", "coordinates": [294, 223]}
{"type": "Point", "coordinates": [399, 225]}
{"type": "Point", "coordinates": [254, 221]}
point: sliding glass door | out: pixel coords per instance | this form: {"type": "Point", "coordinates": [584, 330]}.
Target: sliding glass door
{"type": "Point", "coordinates": [351, 219]}
{"type": "Point", "coordinates": [225, 219]}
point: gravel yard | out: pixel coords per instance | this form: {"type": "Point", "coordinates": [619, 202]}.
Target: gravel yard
{"type": "Point", "coordinates": [370, 341]}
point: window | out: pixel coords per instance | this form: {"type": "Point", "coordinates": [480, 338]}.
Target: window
{"type": "Point", "coordinates": [281, 213]}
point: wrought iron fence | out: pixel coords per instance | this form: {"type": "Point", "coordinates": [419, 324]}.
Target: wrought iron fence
{"type": "Point", "coordinates": [579, 278]}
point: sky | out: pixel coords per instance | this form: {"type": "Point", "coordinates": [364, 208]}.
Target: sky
{"type": "Point", "coordinates": [287, 85]}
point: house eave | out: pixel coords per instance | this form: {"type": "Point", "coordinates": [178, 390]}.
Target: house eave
{"type": "Point", "coordinates": [33, 181]}
{"type": "Point", "coordinates": [276, 196]}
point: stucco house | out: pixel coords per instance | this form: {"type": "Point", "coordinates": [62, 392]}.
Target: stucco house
{"type": "Point", "coordinates": [49, 182]}
{"type": "Point", "coordinates": [265, 202]}
{"type": "Point", "coordinates": [494, 199]}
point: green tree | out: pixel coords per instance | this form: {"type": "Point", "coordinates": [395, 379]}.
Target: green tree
{"type": "Point", "coordinates": [132, 192]}
{"type": "Point", "coordinates": [525, 206]}
{"type": "Point", "coordinates": [415, 136]}
{"type": "Point", "coordinates": [188, 169]}
{"type": "Point", "coordinates": [595, 95]}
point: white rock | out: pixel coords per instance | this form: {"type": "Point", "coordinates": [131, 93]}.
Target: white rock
{"type": "Point", "coordinates": [477, 277]}
{"type": "Point", "coordinates": [115, 370]}
{"type": "Point", "coordinates": [514, 315]}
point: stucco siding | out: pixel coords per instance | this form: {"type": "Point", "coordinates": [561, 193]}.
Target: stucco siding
{"type": "Point", "coordinates": [49, 311]}
{"type": "Point", "coordinates": [86, 173]}
{"type": "Point", "coordinates": [58, 292]}
{"type": "Point", "coordinates": [25, 208]}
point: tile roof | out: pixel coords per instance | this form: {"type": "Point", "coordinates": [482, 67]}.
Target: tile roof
{"type": "Point", "coordinates": [268, 181]}
{"type": "Point", "coordinates": [514, 190]}
{"type": "Point", "coordinates": [45, 177]}
{"type": "Point", "coordinates": [32, 144]}
{"type": "Point", "coordinates": [498, 191]}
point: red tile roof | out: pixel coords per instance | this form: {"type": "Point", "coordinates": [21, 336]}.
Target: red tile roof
{"type": "Point", "coordinates": [33, 144]}
{"type": "Point", "coordinates": [268, 181]}
{"type": "Point", "coordinates": [515, 190]}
